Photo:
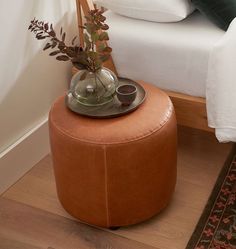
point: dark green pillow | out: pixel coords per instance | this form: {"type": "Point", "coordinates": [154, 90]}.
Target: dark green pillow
{"type": "Point", "coordinates": [221, 12]}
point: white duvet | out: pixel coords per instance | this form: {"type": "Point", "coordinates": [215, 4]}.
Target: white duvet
{"type": "Point", "coordinates": [192, 57]}
{"type": "Point", "coordinates": [221, 86]}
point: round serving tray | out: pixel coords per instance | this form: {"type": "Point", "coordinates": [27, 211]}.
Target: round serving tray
{"type": "Point", "coordinates": [111, 109]}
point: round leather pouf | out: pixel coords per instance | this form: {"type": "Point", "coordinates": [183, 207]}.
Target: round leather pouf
{"type": "Point", "coordinates": [118, 171]}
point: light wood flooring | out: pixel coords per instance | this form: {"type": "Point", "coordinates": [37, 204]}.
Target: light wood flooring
{"type": "Point", "coordinates": [32, 218]}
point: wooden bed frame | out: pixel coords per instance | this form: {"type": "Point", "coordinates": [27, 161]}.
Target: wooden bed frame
{"type": "Point", "coordinates": [190, 111]}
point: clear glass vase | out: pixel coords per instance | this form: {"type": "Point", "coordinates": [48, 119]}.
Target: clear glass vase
{"type": "Point", "coordinates": [94, 88]}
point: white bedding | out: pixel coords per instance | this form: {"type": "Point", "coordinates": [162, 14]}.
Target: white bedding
{"type": "Point", "coordinates": [192, 56]}
{"type": "Point", "coordinates": [221, 86]}
{"type": "Point", "coordinates": [173, 56]}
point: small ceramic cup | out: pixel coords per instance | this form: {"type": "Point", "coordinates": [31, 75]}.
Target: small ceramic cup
{"type": "Point", "coordinates": [126, 94]}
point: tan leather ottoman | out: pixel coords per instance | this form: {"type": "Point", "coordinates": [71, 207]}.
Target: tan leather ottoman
{"type": "Point", "coordinates": [119, 171]}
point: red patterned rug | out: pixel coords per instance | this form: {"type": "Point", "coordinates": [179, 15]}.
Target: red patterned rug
{"type": "Point", "coordinates": [216, 228]}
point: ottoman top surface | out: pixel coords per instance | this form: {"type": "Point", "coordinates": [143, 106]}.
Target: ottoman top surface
{"type": "Point", "coordinates": [148, 118]}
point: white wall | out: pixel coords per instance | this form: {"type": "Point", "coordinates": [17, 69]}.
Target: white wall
{"type": "Point", "coordinates": [30, 80]}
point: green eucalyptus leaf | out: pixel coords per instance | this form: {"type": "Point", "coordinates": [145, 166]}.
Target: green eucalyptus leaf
{"type": "Point", "coordinates": [101, 47]}
{"type": "Point", "coordinates": [104, 36]}
{"type": "Point", "coordinates": [98, 63]}
{"type": "Point", "coordinates": [88, 18]}
{"type": "Point", "coordinates": [107, 50]}
{"type": "Point", "coordinates": [104, 57]}
{"type": "Point", "coordinates": [90, 28]}
{"type": "Point", "coordinates": [92, 54]}
{"type": "Point", "coordinates": [94, 36]}
{"type": "Point", "coordinates": [81, 58]}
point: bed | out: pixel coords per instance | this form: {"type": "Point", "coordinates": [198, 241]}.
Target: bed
{"type": "Point", "coordinates": [176, 58]}
{"type": "Point", "coordinates": [172, 56]}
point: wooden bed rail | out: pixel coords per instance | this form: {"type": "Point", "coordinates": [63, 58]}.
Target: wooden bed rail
{"type": "Point", "coordinates": [190, 111]}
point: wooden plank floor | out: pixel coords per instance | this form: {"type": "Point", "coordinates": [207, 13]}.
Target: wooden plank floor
{"type": "Point", "coordinates": [32, 218]}
{"type": "Point", "coordinates": [35, 228]}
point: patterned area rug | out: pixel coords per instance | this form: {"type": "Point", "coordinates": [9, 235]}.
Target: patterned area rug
{"type": "Point", "coordinates": [216, 228]}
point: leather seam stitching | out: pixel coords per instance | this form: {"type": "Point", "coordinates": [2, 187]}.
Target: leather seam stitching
{"type": "Point", "coordinates": [169, 114]}
{"type": "Point", "coordinates": [106, 186]}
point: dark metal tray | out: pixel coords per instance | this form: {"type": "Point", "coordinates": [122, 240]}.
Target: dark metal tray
{"type": "Point", "coordinates": [111, 109]}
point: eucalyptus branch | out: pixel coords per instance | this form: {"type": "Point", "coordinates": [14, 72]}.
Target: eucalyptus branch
{"type": "Point", "coordinates": [96, 51]}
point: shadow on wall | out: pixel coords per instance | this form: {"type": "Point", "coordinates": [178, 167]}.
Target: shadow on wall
{"type": "Point", "coordinates": [30, 91]}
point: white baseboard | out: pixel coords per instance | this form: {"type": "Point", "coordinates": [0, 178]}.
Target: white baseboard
{"type": "Point", "coordinates": [20, 157]}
